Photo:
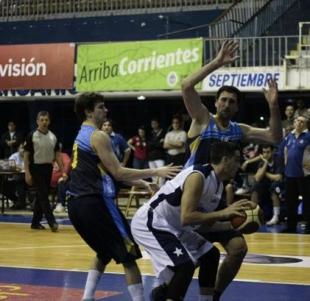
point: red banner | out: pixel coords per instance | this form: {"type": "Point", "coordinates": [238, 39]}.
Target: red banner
{"type": "Point", "coordinates": [37, 66]}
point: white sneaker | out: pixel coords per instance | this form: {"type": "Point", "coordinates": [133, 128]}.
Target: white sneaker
{"type": "Point", "coordinates": [59, 208]}
{"type": "Point", "coordinates": [242, 190]}
{"type": "Point", "coordinates": [273, 221]}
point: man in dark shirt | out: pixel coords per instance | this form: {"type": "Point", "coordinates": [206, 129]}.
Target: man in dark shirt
{"type": "Point", "coordinates": [297, 173]}
{"type": "Point", "coordinates": [10, 140]}
{"type": "Point", "coordinates": [41, 149]}
{"type": "Point", "coordinates": [156, 151]}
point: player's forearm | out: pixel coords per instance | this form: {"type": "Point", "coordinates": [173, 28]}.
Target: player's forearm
{"type": "Point", "coordinates": [130, 174]}
{"type": "Point", "coordinates": [192, 80]}
{"type": "Point", "coordinates": [275, 123]}
{"type": "Point", "coordinates": [198, 218]}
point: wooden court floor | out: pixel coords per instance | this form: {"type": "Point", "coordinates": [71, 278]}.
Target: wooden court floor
{"type": "Point", "coordinates": [272, 257]}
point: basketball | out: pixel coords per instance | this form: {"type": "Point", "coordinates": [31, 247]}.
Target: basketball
{"type": "Point", "coordinates": [250, 221]}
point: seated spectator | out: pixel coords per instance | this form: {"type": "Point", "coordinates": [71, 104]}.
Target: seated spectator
{"type": "Point", "coordinates": [175, 143]}
{"type": "Point", "coordinates": [59, 182]}
{"type": "Point", "coordinates": [119, 144]}
{"type": "Point", "coordinates": [268, 182]}
{"type": "Point", "coordinates": [16, 185]}
{"type": "Point", "coordinates": [139, 146]}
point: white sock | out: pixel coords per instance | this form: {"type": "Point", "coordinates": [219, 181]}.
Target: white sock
{"type": "Point", "coordinates": [136, 292]}
{"type": "Point", "coordinates": [205, 298]}
{"type": "Point", "coordinates": [93, 278]}
{"type": "Point", "coordinates": [276, 211]}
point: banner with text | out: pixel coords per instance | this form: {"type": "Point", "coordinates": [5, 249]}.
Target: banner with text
{"type": "Point", "coordinates": [250, 79]}
{"type": "Point", "coordinates": [148, 65]}
{"type": "Point", "coordinates": [37, 66]}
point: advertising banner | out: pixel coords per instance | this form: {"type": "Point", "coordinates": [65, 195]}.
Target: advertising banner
{"type": "Point", "coordinates": [147, 65]}
{"type": "Point", "coordinates": [37, 66]}
{"type": "Point", "coordinates": [251, 79]}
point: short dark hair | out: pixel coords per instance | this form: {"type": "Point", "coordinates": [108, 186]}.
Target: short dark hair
{"type": "Point", "coordinates": [267, 145]}
{"type": "Point", "coordinates": [86, 101]}
{"type": "Point", "coordinates": [43, 113]}
{"type": "Point", "coordinates": [229, 89]}
{"type": "Point", "coordinates": [222, 149]}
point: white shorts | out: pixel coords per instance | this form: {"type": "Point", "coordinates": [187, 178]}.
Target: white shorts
{"type": "Point", "coordinates": [166, 247]}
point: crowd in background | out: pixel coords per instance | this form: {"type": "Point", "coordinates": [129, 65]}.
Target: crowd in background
{"type": "Point", "coordinates": [263, 176]}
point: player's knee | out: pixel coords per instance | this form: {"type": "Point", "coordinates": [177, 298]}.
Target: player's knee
{"type": "Point", "coordinates": [239, 250]}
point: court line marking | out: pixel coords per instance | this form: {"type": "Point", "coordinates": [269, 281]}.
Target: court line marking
{"type": "Point", "coordinates": [149, 275]}
{"type": "Point", "coordinates": [43, 247]}
{"type": "Point", "coordinates": [305, 263]}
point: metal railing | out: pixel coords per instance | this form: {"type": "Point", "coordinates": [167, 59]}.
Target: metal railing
{"type": "Point", "coordinates": [15, 10]}
{"type": "Point", "coordinates": [260, 22]}
{"type": "Point", "coordinates": [256, 51]}
{"type": "Point", "coordinates": [235, 17]}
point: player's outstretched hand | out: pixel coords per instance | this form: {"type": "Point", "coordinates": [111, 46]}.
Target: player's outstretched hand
{"type": "Point", "coordinates": [168, 171]}
{"type": "Point", "coordinates": [227, 54]}
{"type": "Point", "coordinates": [237, 208]}
{"type": "Point", "coordinates": [271, 94]}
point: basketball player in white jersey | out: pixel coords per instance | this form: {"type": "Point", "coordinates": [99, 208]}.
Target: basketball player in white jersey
{"type": "Point", "coordinates": [165, 226]}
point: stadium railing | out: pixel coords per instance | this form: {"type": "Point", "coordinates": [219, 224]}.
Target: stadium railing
{"type": "Point", "coordinates": [14, 10]}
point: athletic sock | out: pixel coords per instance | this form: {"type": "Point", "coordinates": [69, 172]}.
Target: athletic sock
{"type": "Point", "coordinates": [136, 292]}
{"type": "Point", "coordinates": [93, 278]}
{"type": "Point", "coordinates": [276, 211]}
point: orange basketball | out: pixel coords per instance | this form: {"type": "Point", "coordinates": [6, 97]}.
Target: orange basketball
{"type": "Point", "coordinates": [250, 221]}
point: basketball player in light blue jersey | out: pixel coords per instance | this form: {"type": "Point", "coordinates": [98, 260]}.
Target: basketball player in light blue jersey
{"type": "Point", "coordinates": [207, 128]}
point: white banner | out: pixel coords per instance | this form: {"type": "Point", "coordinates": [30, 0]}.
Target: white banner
{"type": "Point", "coordinates": [249, 79]}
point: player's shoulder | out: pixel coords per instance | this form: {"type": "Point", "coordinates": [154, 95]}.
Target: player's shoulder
{"type": "Point", "coordinates": [204, 169]}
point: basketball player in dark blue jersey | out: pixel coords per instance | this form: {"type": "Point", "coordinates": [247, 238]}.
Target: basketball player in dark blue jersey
{"type": "Point", "coordinates": [95, 170]}
{"type": "Point", "coordinates": [207, 128]}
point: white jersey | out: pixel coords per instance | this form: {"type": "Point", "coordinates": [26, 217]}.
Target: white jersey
{"type": "Point", "coordinates": [157, 224]}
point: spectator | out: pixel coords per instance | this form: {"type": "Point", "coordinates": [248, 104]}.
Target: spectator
{"type": "Point", "coordinates": [10, 140]}
{"type": "Point", "coordinates": [119, 144]}
{"type": "Point", "coordinates": [16, 186]}
{"type": "Point", "coordinates": [156, 152]}
{"type": "Point", "coordinates": [59, 182]}
{"type": "Point", "coordinates": [297, 182]}
{"type": "Point", "coordinates": [175, 143]}
{"type": "Point", "coordinates": [268, 182]}
{"type": "Point", "coordinates": [139, 146]}
{"type": "Point", "coordinates": [288, 123]}
{"type": "Point", "coordinates": [301, 110]}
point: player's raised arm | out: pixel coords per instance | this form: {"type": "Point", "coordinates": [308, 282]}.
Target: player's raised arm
{"type": "Point", "coordinates": [273, 134]}
{"type": "Point", "coordinates": [192, 101]}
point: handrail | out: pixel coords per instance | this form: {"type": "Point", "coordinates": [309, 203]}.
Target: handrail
{"type": "Point", "coordinates": [264, 18]}
{"type": "Point", "coordinates": [235, 17]}
{"type": "Point", "coordinates": [15, 10]}
{"type": "Point", "coordinates": [256, 51]}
